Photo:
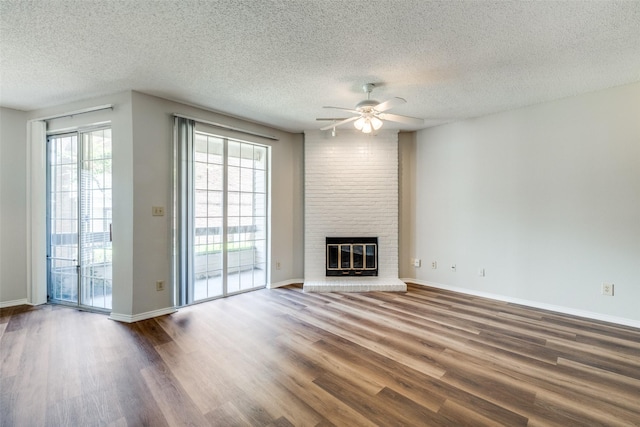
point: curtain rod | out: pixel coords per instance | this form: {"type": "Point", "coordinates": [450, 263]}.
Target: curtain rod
{"type": "Point", "coordinates": [227, 127]}
{"type": "Point", "coordinates": [77, 112]}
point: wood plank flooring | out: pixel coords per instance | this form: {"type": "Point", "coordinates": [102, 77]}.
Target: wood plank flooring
{"type": "Point", "coordinates": [282, 357]}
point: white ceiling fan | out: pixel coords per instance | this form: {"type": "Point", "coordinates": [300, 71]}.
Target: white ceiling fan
{"type": "Point", "coordinates": [370, 114]}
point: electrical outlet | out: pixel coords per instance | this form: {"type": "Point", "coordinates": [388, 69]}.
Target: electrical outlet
{"type": "Point", "coordinates": [453, 268]}
{"type": "Point", "coordinates": [417, 262]}
{"type": "Point", "coordinates": [607, 289]}
{"type": "Point", "coordinates": [434, 264]}
{"type": "Point", "coordinates": [481, 272]}
{"type": "Point", "coordinates": [278, 266]}
{"type": "Point", "coordinates": [157, 211]}
{"type": "Point", "coordinates": [159, 285]}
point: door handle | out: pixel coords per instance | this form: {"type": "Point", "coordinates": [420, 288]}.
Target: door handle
{"type": "Point", "coordinates": [62, 259]}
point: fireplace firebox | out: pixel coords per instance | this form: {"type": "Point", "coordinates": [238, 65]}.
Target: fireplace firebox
{"type": "Point", "coordinates": [352, 256]}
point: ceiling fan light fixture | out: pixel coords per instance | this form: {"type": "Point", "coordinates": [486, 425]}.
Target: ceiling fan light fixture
{"type": "Point", "coordinates": [376, 123]}
{"type": "Point", "coordinates": [358, 124]}
{"type": "Point", "coordinates": [366, 127]}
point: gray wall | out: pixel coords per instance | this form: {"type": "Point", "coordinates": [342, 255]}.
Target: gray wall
{"type": "Point", "coordinates": [545, 198]}
{"type": "Point", "coordinates": [152, 178]}
{"type": "Point", "coordinates": [123, 185]}
{"type": "Point", "coordinates": [142, 151]}
{"type": "Point", "coordinates": [13, 206]}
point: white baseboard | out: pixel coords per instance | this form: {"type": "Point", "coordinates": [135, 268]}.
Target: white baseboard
{"type": "Point", "coordinates": [284, 283]}
{"type": "Point", "coordinates": [5, 304]}
{"type": "Point", "coordinates": [127, 318]}
{"type": "Point", "coordinates": [534, 304]}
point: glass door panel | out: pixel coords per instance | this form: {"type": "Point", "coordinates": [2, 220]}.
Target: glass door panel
{"type": "Point", "coordinates": [208, 183]}
{"type": "Point", "coordinates": [79, 218]}
{"type": "Point", "coordinates": [95, 231]}
{"type": "Point", "coordinates": [63, 218]}
{"type": "Point", "coordinates": [247, 209]}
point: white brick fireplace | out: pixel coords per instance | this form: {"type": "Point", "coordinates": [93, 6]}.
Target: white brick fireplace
{"type": "Point", "coordinates": [351, 189]}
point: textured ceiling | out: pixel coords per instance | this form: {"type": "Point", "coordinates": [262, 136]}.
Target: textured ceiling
{"type": "Point", "coordinates": [278, 62]}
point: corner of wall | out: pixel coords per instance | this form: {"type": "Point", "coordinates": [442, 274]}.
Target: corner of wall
{"type": "Point", "coordinates": [406, 203]}
{"type": "Point", "coordinates": [13, 207]}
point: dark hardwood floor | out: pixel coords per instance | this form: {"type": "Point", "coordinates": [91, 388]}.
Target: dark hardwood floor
{"type": "Point", "coordinates": [282, 357]}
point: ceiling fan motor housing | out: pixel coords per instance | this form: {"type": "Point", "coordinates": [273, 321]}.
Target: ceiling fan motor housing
{"type": "Point", "coordinates": [368, 87]}
{"type": "Point", "coordinates": [366, 105]}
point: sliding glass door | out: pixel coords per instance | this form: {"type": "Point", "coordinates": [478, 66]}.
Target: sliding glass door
{"type": "Point", "coordinates": [230, 212]}
{"type": "Point", "coordinates": [223, 199]}
{"type": "Point", "coordinates": [79, 218]}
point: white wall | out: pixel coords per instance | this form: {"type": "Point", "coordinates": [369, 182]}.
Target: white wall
{"type": "Point", "coordinates": [545, 198]}
{"type": "Point", "coordinates": [351, 190]}
{"type": "Point", "coordinates": [13, 205]}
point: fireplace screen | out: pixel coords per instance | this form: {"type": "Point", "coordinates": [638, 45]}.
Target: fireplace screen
{"type": "Point", "coordinates": [352, 256]}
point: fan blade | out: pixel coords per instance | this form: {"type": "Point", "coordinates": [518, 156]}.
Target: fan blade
{"type": "Point", "coordinates": [350, 119]}
{"type": "Point", "coordinates": [401, 119]}
{"type": "Point", "coordinates": [333, 119]}
{"type": "Point", "coordinates": [345, 109]}
{"type": "Point", "coordinates": [387, 105]}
